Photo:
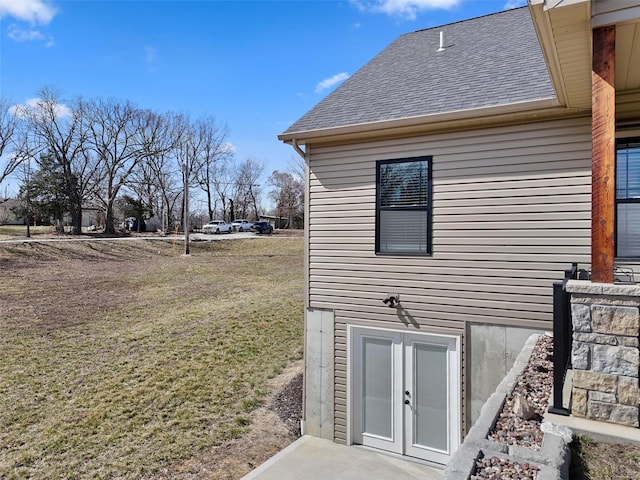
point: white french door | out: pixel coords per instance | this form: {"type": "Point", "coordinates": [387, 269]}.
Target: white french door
{"type": "Point", "coordinates": [405, 392]}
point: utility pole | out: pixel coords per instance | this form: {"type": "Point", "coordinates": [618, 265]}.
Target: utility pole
{"type": "Point", "coordinates": [28, 197]}
{"type": "Point", "coordinates": [185, 170]}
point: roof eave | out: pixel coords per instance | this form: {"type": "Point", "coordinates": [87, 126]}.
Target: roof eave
{"type": "Point", "coordinates": [466, 118]}
{"type": "Point", "coordinates": [564, 32]}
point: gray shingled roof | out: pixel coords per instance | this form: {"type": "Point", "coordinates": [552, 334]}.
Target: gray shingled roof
{"type": "Point", "coordinates": [491, 60]}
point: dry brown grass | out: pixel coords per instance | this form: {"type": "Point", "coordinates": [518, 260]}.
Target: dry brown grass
{"type": "Point", "coordinates": [119, 359]}
{"type": "Point", "coordinates": [591, 460]}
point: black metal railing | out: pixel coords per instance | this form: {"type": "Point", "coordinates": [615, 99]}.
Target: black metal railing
{"type": "Point", "coordinates": [562, 338]}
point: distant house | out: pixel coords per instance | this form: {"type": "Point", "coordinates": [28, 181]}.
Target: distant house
{"type": "Point", "coordinates": [449, 184]}
{"type": "Point", "coordinates": [7, 215]}
{"type": "Point", "coordinates": [91, 215]}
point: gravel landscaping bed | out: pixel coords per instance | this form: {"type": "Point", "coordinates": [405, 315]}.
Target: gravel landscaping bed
{"type": "Point", "coordinates": [519, 421]}
{"type": "Point", "coordinates": [496, 468]}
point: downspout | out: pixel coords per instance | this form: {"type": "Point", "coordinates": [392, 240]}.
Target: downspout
{"type": "Point", "coordinates": [296, 147]}
{"type": "Point", "coordinates": [303, 154]}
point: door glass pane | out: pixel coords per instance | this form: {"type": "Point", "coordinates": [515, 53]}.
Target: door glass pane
{"type": "Point", "coordinates": [430, 401]}
{"type": "Point", "coordinates": [377, 393]}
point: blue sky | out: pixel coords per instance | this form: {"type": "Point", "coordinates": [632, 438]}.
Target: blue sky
{"type": "Point", "coordinates": [255, 65]}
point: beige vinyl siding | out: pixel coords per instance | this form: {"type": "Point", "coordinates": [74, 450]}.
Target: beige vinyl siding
{"type": "Point", "coordinates": [530, 220]}
{"type": "Point", "coordinates": [511, 211]}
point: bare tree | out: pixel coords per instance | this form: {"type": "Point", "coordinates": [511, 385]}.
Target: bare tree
{"type": "Point", "coordinates": [248, 191]}
{"type": "Point", "coordinates": [288, 195]}
{"type": "Point", "coordinates": [166, 181]}
{"type": "Point", "coordinates": [9, 123]}
{"type": "Point", "coordinates": [162, 167]}
{"type": "Point", "coordinates": [296, 167]}
{"type": "Point", "coordinates": [156, 141]}
{"type": "Point", "coordinates": [60, 129]}
{"type": "Point", "coordinates": [223, 184]}
{"type": "Point", "coordinates": [121, 136]}
{"type": "Point", "coordinates": [114, 137]}
{"type": "Point", "coordinates": [142, 184]}
{"type": "Point", "coordinates": [214, 153]}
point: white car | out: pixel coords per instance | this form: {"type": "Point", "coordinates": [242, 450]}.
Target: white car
{"type": "Point", "coordinates": [241, 225]}
{"type": "Point", "coordinates": [217, 226]}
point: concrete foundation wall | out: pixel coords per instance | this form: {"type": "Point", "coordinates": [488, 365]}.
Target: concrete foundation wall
{"type": "Point", "coordinates": [492, 350]}
{"type": "Point", "coordinates": [319, 374]}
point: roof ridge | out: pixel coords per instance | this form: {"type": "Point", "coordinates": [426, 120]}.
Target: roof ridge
{"type": "Point", "coordinates": [439, 27]}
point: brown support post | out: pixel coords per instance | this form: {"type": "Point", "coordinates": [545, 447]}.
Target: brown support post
{"type": "Point", "coordinates": [603, 135]}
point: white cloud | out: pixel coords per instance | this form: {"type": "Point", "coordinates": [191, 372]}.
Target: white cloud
{"type": "Point", "coordinates": [404, 8]}
{"type": "Point", "coordinates": [330, 82]}
{"type": "Point", "coordinates": [35, 105]}
{"type": "Point", "coordinates": [514, 4]}
{"type": "Point", "coordinates": [32, 11]}
{"type": "Point", "coordinates": [229, 148]}
{"type": "Point", "coordinates": [19, 35]}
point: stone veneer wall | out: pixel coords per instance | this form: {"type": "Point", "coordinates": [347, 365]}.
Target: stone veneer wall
{"type": "Point", "coordinates": [606, 352]}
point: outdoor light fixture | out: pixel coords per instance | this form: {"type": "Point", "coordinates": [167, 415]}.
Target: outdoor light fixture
{"type": "Point", "coordinates": [392, 300]}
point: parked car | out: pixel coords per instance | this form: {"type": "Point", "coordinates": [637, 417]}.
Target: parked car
{"type": "Point", "coordinates": [241, 225]}
{"type": "Point", "coordinates": [217, 226]}
{"type": "Point", "coordinates": [262, 227]}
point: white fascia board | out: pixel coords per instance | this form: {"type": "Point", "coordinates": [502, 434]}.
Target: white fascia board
{"type": "Point", "coordinates": [625, 13]}
{"type": "Point", "coordinates": [549, 4]}
{"type": "Point", "coordinates": [523, 108]}
{"type": "Point", "coordinates": [544, 32]}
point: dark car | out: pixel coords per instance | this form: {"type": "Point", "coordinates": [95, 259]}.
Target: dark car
{"type": "Point", "coordinates": [262, 227]}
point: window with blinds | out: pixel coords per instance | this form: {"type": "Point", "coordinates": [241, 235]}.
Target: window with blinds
{"type": "Point", "coordinates": [403, 210]}
{"type": "Point", "coordinates": [628, 198]}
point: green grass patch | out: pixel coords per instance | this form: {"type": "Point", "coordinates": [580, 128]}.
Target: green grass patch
{"type": "Point", "coordinates": [118, 361]}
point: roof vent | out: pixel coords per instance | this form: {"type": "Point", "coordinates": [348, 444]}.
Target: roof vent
{"type": "Point", "coordinates": [441, 49]}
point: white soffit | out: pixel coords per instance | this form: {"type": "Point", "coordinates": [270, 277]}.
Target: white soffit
{"type": "Point", "coordinates": [564, 31]}
{"type": "Point", "coordinates": [625, 15]}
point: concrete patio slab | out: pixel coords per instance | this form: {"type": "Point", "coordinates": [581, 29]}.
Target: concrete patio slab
{"type": "Point", "coordinates": [310, 458]}
{"type": "Point", "coordinates": [600, 431]}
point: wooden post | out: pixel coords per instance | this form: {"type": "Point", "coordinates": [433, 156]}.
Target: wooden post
{"type": "Point", "coordinates": [603, 123]}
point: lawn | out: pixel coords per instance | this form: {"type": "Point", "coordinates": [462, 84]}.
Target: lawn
{"type": "Point", "coordinates": [118, 359]}
{"type": "Point", "coordinates": [8, 232]}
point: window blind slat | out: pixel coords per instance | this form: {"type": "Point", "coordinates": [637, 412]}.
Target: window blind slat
{"type": "Point", "coordinates": [404, 231]}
